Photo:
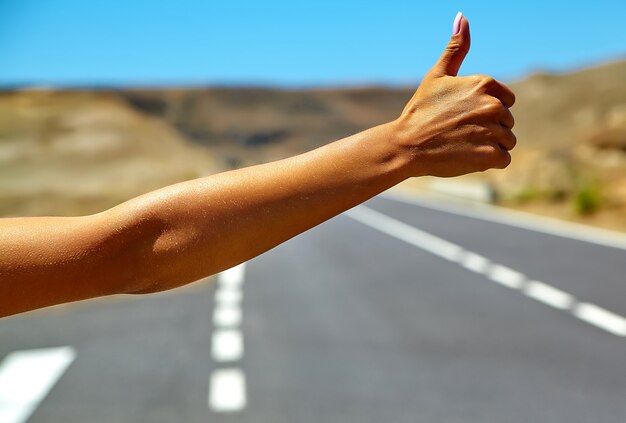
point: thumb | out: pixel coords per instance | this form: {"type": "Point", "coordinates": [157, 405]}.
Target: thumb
{"type": "Point", "coordinates": [456, 50]}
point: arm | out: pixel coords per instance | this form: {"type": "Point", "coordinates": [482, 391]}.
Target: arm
{"type": "Point", "coordinates": [181, 233]}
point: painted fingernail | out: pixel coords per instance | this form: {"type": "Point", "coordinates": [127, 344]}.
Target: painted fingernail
{"type": "Point", "coordinates": [456, 26]}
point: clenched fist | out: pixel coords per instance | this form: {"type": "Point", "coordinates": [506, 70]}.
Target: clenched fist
{"type": "Point", "coordinates": [456, 125]}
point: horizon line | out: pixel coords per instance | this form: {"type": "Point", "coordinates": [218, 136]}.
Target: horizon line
{"type": "Point", "coordinates": [260, 84]}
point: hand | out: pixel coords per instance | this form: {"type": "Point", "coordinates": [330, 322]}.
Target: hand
{"type": "Point", "coordinates": [457, 125]}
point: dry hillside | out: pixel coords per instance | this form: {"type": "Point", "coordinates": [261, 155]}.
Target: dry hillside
{"type": "Point", "coordinates": [571, 159]}
{"type": "Point", "coordinates": [78, 151]}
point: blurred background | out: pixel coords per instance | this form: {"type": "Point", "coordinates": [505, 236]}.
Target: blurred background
{"type": "Point", "coordinates": [103, 101]}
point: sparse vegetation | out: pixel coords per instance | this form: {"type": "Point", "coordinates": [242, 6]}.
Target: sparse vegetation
{"type": "Point", "coordinates": [531, 194]}
{"type": "Point", "coordinates": [588, 198]}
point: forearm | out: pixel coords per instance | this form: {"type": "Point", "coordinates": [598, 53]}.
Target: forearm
{"type": "Point", "coordinates": [213, 223]}
{"type": "Point", "coordinates": [184, 232]}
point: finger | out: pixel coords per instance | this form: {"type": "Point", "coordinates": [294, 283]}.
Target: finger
{"type": "Point", "coordinates": [494, 133]}
{"type": "Point", "coordinates": [503, 136]}
{"type": "Point", "coordinates": [501, 92]}
{"type": "Point", "coordinates": [503, 159]}
{"type": "Point", "coordinates": [456, 50]}
{"type": "Point", "coordinates": [506, 118]}
{"type": "Point", "coordinates": [494, 111]}
{"type": "Point", "coordinates": [493, 156]}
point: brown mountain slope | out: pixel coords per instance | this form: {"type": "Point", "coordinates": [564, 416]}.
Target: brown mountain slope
{"type": "Point", "coordinates": [251, 125]}
{"type": "Point", "coordinates": [572, 156]}
{"type": "Point", "coordinates": [553, 110]}
{"type": "Point", "coordinates": [564, 109]}
{"type": "Point", "coordinates": [79, 151]}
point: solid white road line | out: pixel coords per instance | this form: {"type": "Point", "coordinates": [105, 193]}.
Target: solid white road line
{"type": "Point", "coordinates": [506, 276]}
{"type": "Point", "coordinates": [406, 233]}
{"type": "Point", "coordinates": [226, 345]}
{"type": "Point", "coordinates": [549, 295]}
{"type": "Point", "coordinates": [228, 296]}
{"type": "Point", "coordinates": [474, 262]}
{"type": "Point", "coordinates": [226, 316]}
{"type": "Point", "coordinates": [26, 377]}
{"type": "Point", "coordinates": [510, 278]}
{"type": "Point", "coordinates": [232, 277]}
{"type": "Point", "coordinates": [519, 219]}
{"type": "Point", "coordinates": [227, 391]}
{"type": "Point", "coordinates": [601, 318]}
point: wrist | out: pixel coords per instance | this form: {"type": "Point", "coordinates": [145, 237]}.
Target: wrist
{"type": "Point", "coordinates": [390, 156]}
{"type": "Point", "coordinates": [402, 138]}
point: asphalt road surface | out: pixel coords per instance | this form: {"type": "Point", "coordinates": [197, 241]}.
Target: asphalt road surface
{"type": "Point", "coordinates": [393, 312]}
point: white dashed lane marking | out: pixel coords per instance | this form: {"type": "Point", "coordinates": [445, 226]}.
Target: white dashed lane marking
{"type": "Point", "coordinates": [27, 376]}
{"type": "Point", "coordinates": [227, 345]}
{"type": "Point", "coordinates": [227, 387]}
{"type": "Point", "coordinates": [228, 296]}
{"type": "Point", "coordinates": [227, 391]}
{"type": "Point", "coordinates": [505, 276]}
{"type": "Point", "coordinates": [232, 278]}
{"type": "Point", "coordinates": [549, 295]}
{"type": "Point", "coordinates": [540, 291]}
{"type": "Point", "coordinates": [226, 316]}
{"type": "Point", "coordinates": [474, 262]}
{"type": "Point", "coordinates": [601, 318]}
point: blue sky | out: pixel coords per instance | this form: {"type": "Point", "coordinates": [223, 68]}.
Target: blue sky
{"type": "Point", "coordinates": [291, 43]}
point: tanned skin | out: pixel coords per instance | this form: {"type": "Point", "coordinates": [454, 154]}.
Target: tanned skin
{"type": "Point", "coordinates": [184, 232]}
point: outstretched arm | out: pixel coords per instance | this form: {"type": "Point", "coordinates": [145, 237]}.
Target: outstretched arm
{"type": "Point", "coordinates": [181, 233]}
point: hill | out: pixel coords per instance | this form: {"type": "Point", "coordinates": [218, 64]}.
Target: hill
{"type": "Point", "coordinates": [571, 160]}
{"type": "Point", "coordinates": [78, 151]}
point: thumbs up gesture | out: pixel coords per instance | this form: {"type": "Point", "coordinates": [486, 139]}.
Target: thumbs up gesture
{"type": "Point", "coordinates": [455, 125]}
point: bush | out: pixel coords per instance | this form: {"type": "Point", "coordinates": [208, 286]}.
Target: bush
{"type": "Point", "coordinates": [534, 195]}
{"type": "Point", "coordinates": [588, 199]}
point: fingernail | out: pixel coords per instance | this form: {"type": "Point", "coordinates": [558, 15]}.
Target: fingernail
{"type": "Point", "coordinates": [456, 26]}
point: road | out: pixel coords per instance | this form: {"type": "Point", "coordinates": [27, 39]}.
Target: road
{"type": "Point", "coordinates": [393, 312]}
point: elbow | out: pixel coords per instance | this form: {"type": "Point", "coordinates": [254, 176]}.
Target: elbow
{"type": "Point", "coordinates": [157, 256]}
{"type": "Point", "coordinates": [155, 251]}
{"type": "Point", "coordinates": [174, 258]}
{"type": "Point", "coordinates": [128, 262]}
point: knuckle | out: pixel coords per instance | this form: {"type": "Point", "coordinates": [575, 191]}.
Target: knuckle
{"type": "Point", "coordinates": [477, 79]}
{"type": "Point", "coordinates": [456, 45]}
{"type": "Point", "coordinates": [484, 80]}
{"type": "Point", "coordinates": [494, 157]}
{"type": "Point", "coordinates": [453, 47]}
{"type": "Point", "coordinates": [488, 81]}
{"type": "Point", "coordinates": [489, 152]}
{"type": "Point", "coordinates": [492, 106]}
